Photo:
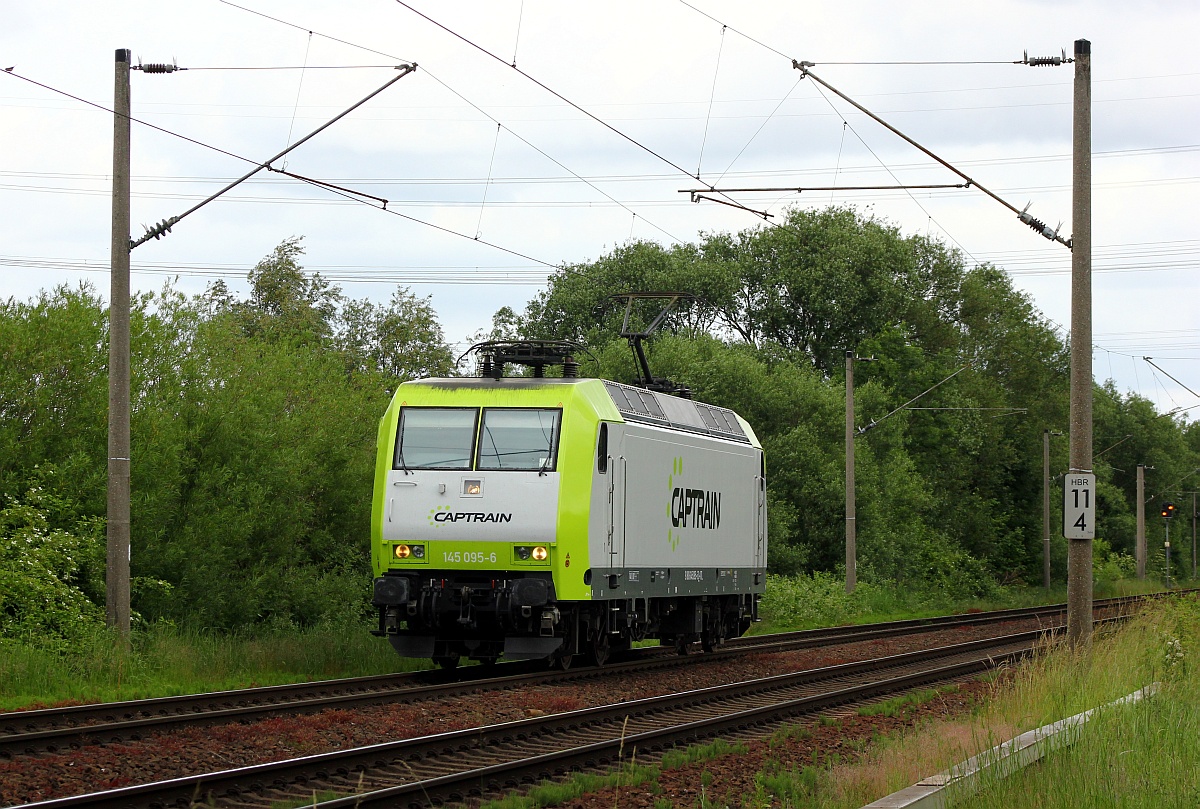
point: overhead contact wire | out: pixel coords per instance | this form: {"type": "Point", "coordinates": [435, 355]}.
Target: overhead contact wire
{"type": "Point", "coordinates": [572, 104]}
{"type": "Point", "coordinates": [803, 67]}
{"type": "Point", "coordinates": [758, 131]}
{"type": "Point", "coordinates": [302, 28]}
{"type": "Point", "coordinates": [548, 156]}
{"type": "Point", "coordinates": [299, 89]}
{"type": "Point", "coordinates": [711, 97]}
{"type": "Point", "coordinates": [552, 92]}
{"type": "Point", "coordinates": [111, 111]}
{"type": "Point", "coordinates": [488, 184]}
{"type": "Point", "coordinates": [474, 106]}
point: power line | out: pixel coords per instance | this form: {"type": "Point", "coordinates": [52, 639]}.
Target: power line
{"type": "Point", "coordinates": [552, 92]}
{"type": "Point", "coordinates": [892, 174]}
{"type": "Point", "coordinates": [302, 28]}
{"type": "Point", "coordinates": [355, 196]}
{"type": "Point", "coordinates": [565, 100]}
{"type": "Point", "coordinates": [165, 226]}
{"type": "Point", "coordinates": [476, 107]}
{"type": "Point", "coordinates": [293, 67]}
{"type": "Point", "coordinates": [111, 111]}
{"type": "Point", "coordinates": [546, 155]}
{"type": "Point", "coordinates": [645, 177]}
{"type": "Point", "coordinates": [342, 273]}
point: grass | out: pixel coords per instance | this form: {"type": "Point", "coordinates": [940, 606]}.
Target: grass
{"type": "Point", "coordinates": [820, 600]}
{"type": "Point", "coordinates": [1142, 755]}
{"type": "Point", "coordinates": [1134, 756]}
{"type": "Point", "coordinates": [897, 706]}
{"type": "Point", "coordinates": [165, 661]}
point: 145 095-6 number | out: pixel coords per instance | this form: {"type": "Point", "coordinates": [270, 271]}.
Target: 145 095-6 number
{"type": "Point", "coordinates": [469, 557]}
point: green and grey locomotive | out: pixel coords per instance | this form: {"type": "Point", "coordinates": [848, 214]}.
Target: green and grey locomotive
{"type": "Point", "coordinates": [536, 517]}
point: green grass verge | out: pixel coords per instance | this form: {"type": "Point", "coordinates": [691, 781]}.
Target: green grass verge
{"type": "Point", "coordinates": [1139, 756]}
{"type": "Point", "coordinates": [820, 600]}
{"type": "Point", "coordinates": [1142, 755]}
{"type": "Point", "coordinates": [165, 661]}
{"type": "Point", "coordinates": [897, 706]}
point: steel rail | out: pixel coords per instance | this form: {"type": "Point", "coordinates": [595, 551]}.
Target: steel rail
{"type": "Point", "coordinates": [278, 777]}
{"type": "Point", "coordinates": [28, 732]}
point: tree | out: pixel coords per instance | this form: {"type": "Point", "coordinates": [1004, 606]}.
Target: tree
{"type": "Point", "coordinates": [953, 482]}
{"type": "Point", "coordinates": [402, 340]}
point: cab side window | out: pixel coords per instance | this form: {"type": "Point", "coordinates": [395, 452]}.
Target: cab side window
{"type": "Point", "coordinates": [602, 449]}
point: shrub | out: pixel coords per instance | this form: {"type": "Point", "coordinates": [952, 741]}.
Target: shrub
{"type": "Point", "coordinates": [46, 572]}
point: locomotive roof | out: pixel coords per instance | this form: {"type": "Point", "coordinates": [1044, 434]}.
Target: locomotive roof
{"type": "Point", "coordinates": [633, 403]}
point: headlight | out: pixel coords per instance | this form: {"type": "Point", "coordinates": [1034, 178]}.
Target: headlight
{"type": "Point", "coordinates": [523, 552]}
{"type": "Point", "coordinates": [540, 553]}
{"type": "Point", "coordinates": [418, 551]}
{"type": "Point", "coordinates": [402, 551]}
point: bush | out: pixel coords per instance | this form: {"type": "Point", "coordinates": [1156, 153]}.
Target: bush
{"type": "Point", "coordinates": [1109, 566]}
{"type": "Point", "coordinates": [816, 599]}
{"type": "Point", "coordinates": [49, 576]}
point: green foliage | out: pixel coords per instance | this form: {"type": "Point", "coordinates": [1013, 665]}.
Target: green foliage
{"type": "Point", "coordinates": [51, 575]}
{"type": "Point", "coordinates": [166, 660]}
{"type": "Point", "coordinates": [819, 599]}
{"type": "Point", "coordinates": [949, 487]}
{"type": "Point", "coordinates": [796, 786]}
{"type": "Point", "coordinates": [253, 428]}
{"type": "Point", "coordinates": [1109, 566]}
{"type": "Point", "coordinates": [898, 706]}
{"type": "Point", "coordinates": [254, 423]}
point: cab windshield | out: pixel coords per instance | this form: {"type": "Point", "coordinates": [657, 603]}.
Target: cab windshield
{"type": "Point", "coordinates": [435, 438]}
{"type": "Point", "coordinates": [498, 438]}
{"type": "Point", "coordinates": [518, 439]}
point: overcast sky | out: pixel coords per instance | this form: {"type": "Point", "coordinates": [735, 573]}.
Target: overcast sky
{"type": "Point", "coordinates": [517, 180]}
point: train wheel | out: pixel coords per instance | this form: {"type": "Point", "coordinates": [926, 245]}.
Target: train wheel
{"type": "Point", "coordinates": [713, 637]}
{"type": "Point", "coordinates": [448, 662]}
{"type": "Point", "coordinates": [563, 661]}
{"type": "Point", "coordinates": [600, 648]}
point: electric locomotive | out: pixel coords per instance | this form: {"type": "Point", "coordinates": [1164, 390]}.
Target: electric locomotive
{"type": "Point", "coordinates": [537, 517]}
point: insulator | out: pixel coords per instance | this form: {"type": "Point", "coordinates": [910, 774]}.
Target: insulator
{"type": "Point", "coordinates": [159, 68]}
{"type": "Point", "coordinates": [570, 368]}
{"type": "Point", "coordinates": [486, 369]}
{"type": "Point", "coordinates": [1038, 225]}
{"type": "Point", "coordinates": [1045, 61]}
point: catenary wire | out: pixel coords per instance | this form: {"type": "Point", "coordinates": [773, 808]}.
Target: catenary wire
{"type": "Point", "coordinates": [552, 92]}
{"type": "Point", "coordinates": [711, 98]}
{"type": "Point", "coordinates": [473, 105]}
{"type": "Point", "coordinates": [340, 192]}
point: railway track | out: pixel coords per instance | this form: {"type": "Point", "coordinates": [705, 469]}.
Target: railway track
{"type": "Point", "coordinates": [451, 767]}
{"type": "Point", "coordinates": [50, 730]}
